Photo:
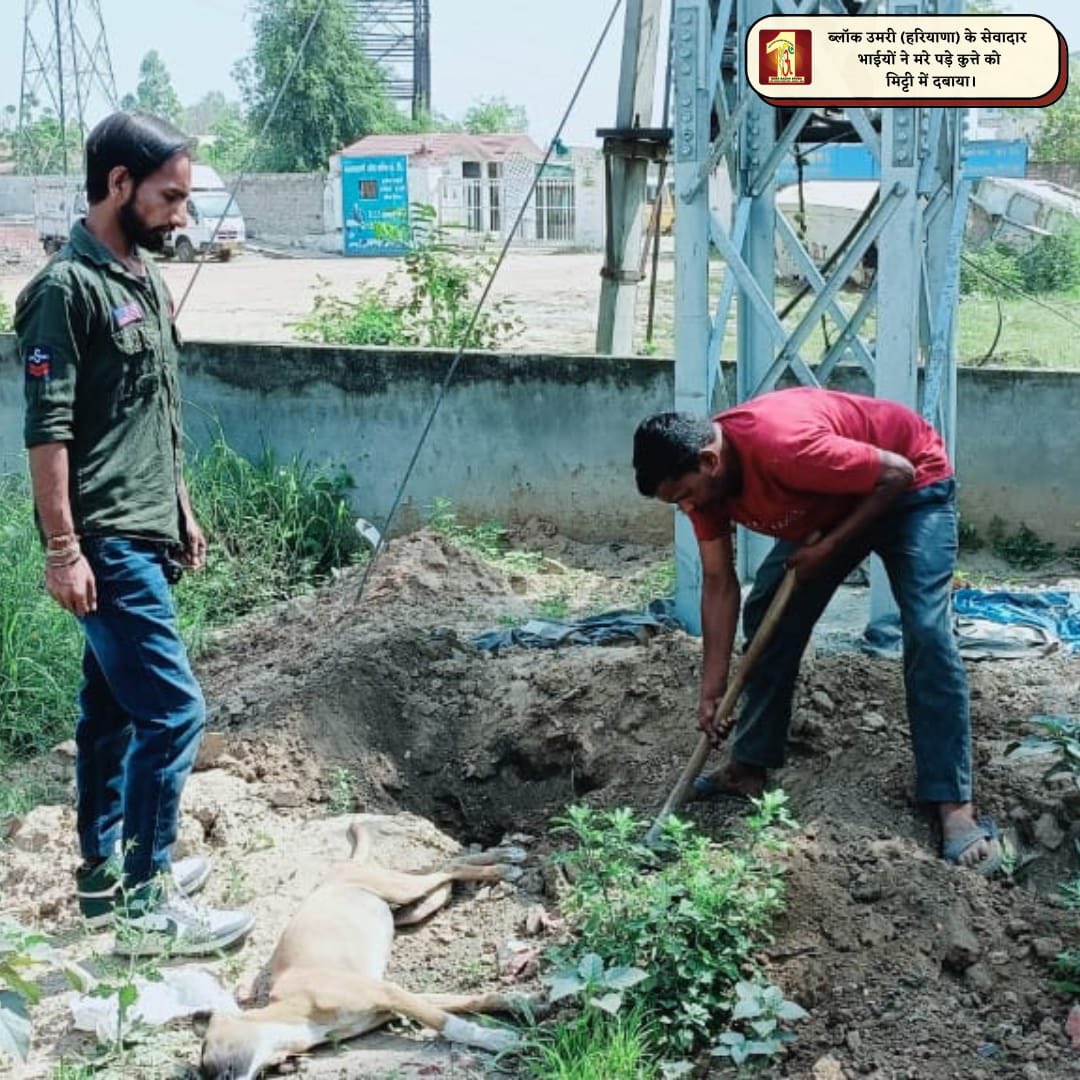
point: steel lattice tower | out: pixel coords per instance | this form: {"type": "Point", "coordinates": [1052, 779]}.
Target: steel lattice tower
{"type": "Point", "coordinates": [395, 34]}
{"type": "Point", "coordinates": [67, 77]}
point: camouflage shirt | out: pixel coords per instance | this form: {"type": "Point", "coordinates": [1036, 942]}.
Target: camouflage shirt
{"type": "Point", "coordinates": [100, 353]}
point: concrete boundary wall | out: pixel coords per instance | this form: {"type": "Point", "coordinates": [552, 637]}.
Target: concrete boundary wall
{"type": "Point", "coordinates": [522, 436]}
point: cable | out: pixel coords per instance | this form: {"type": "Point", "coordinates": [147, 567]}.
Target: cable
{"type": "Point", "coordinates": [246, 168]}
{"type": "Point", "coordinates": [451, 371]}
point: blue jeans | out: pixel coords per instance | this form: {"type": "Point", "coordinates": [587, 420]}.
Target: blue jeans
{"type": "Point", "coordinates": [142, 711]}
{"type": "Point", "coordinates": [917, 541]}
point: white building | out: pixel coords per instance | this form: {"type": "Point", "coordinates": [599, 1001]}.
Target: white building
{"type": "Point", "coordinates": [477, 183]}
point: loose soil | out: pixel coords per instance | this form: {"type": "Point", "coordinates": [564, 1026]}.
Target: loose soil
{"type": "Point", "coordinates": [909, 967]}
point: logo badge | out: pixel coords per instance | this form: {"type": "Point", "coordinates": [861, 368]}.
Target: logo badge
{"type": "Point", "coordinates": [127, 315]}
{"type": "Point", "coordinates": [39, 364]}
{"type": "Point", "coordinates": [784, 57]}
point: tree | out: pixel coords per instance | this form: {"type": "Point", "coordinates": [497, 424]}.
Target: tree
{"type": "Point", "coordinates": [38, 147]}
{"type": "Point", "coordinates": [495, 115]}
{"type": "Point", "coordinates": [1058, 136]}
{"type": "Point", "coordinates": [200, 118]}
{"type": "Point", "coordinates": [337, 95]}
{"type": "Point", "coordinates": [154, 92]}
{"type": "Point", "coordinates": [229, 145]}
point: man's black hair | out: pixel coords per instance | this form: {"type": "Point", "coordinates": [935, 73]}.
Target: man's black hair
{"type": "Point", "coordinates": [666, 446]}
{"type": "Point", "coordinates": [139, 142]}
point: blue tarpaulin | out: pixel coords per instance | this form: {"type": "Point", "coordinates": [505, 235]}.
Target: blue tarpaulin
{"type": "Point", "coordinates": [1056, 612]}
{"type": "Point", "coordinates": [611, 628]}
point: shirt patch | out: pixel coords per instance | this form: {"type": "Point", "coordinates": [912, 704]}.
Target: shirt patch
{"type": "Point", "coordinates": [39, 363]}
{"type": "Point", "coordinates": [127, 315]}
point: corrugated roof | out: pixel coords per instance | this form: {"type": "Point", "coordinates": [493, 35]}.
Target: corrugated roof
{"type": "Point", "coordinates": [438, 146]}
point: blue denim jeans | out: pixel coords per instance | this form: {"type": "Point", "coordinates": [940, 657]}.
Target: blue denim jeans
{"type": "Point", "coordinates": [917, 541]}
{"type": "Point", "coordinates": [142, 711]}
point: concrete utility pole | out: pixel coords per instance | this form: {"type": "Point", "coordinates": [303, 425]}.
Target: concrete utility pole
{"type": "Point", "coordinates": [627, 160]}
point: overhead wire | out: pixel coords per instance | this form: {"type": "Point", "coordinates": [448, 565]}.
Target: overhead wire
{"type": "Point", "coordinates": [388, 521]}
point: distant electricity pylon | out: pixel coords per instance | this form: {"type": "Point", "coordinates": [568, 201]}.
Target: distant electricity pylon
{"type": "Point", "coordinates": [396, 34]}
{"type": "Point", "coordinates": [67, 83]}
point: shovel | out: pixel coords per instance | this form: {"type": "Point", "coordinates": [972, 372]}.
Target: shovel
{"type": "Point", "coordinates": [726, 708]}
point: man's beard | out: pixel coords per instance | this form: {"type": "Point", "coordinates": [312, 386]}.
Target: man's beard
{"type": "Point", "coordinates": [137, 231]}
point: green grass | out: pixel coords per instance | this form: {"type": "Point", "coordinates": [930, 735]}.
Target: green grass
{"type": "Point", "coordinates": [275, 529]}
{"type": "Point", "coordinates": [1031, 336]}
{"type": "Point", "coordinates": [594, 1046]}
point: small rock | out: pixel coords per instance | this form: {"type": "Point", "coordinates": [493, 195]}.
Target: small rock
{"type": "Point", "coordinates": [1072, 1026]}
{"type": "Point", "coordinates": [210, 751]}
{"type": "Point", "coordinates": [31, 840]}
{"type": "Point", "coordinates": [1031, 1071]}
{"type": "Point", "coordinates": [1048, 832]}
{"type": "Point", "coordinates": [873, 721]}
{"type": "Point", "coordinates": [828, 1068]}
{"type": "Point", "coordinates": [822, 703]}
{"type": "Point", "coordinates": [285, 798]}
{"type": "Point", "coordinates": [65, 751]}
{"type": "Point", "coordinates": [1017, 928]}
{"type": "Point", "coordinates": [979, 978]}
{"type": "Point", "coordinates": [1046, 948]}
{"type": "Point", "coordinates": [961, 947]}
{"type": "Point", "coordinates": [854, 1041]}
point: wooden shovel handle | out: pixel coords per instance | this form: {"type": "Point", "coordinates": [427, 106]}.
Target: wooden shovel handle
{"type": "Point", "coordinates": [726, 708]}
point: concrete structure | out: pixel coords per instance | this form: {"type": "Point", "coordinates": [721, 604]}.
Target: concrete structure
{"type": "Point", "coordinates": [282, 208]}
{"type": "Point", "coordinates": [520, 436]}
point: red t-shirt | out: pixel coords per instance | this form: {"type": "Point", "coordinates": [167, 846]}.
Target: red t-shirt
{"type": "Point", "coordinates": [808, 456]}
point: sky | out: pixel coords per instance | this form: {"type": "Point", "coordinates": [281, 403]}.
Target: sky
{"type": "Point", "coordinates": [531, 53]}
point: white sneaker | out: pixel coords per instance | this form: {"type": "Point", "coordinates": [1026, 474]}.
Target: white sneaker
{"type": "Point", "coordinates": [176, 927]}
{"type": "Point", "coordinates": [98, 890]}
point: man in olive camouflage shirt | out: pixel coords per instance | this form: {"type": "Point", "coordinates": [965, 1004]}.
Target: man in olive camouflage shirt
{"type": "Point", "coordinates": [99, 345]}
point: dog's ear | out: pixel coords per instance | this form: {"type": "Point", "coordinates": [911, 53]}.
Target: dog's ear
{"type": "Point", "coordinates": [200, 1021]}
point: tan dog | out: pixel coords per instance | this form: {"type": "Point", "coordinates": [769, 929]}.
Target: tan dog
{"type": "Point", "coordinates": [327, 970]}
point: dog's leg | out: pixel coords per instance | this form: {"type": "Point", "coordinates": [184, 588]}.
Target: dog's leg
{"type": "Point", "coordinates": [424, 908]}
{"type": "Point", "coordinates": [423, 1009]}
{"type": "Point", "coordinates": [402, 889]}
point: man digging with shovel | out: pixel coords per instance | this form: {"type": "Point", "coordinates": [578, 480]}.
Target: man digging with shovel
{"type": "Point", "coordinates": [833, 477]}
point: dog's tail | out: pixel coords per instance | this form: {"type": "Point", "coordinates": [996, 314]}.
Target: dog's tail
{"type": "Point", "coordinates": [359, 842]}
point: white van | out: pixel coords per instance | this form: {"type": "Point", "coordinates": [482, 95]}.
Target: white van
{"type": "Point", "coordinates": [208, 203]}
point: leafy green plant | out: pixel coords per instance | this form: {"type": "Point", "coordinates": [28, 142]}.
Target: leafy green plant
{"type": "Point", "coordinates": [555, 607]}
{"type": "Point", "coordinates": [1056, 737]}
{"type": "Point", "coordinates": [5, 317]}
{"type": "Point", "coordinates": [991, 270]}
{"type": "Point", "coordinates": [1023, 549]}
{"type": "Point", "coordinates": [969, 537]}
{"type": "Point", "coordinates": [342, 798]}
{"type": "Point", "coordinates": [761, 1008]}
{"type": "Point", "coordinates": [599, 986]}
{"type": "Point", "coordinates": [427, 303]}
{"type": "Point", "coordinates": [1052, 264]}
{"type": "Point", "coordinates": [692, 916]}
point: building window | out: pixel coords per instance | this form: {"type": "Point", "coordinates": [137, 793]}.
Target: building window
{"type": "Point", "coordinates": [369, 189]}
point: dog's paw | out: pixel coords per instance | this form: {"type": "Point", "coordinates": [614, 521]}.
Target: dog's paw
{"type": "Point", "coordinates": [495, 1040]}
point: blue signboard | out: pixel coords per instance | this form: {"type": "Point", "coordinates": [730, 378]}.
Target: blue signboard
{"type": "Point", "coordinates": [853, 161]}
{"type": "Point", "coordinates": [375, 204]}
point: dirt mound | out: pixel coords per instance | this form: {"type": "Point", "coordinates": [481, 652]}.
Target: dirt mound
{"type": "Point", "coordinates": [910, 968]}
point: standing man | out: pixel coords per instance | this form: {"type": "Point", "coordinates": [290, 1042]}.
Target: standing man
{"type": "Point", "coordinates": [96, 333]}
{"type": "Point", "coordinates": [833, 477]}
